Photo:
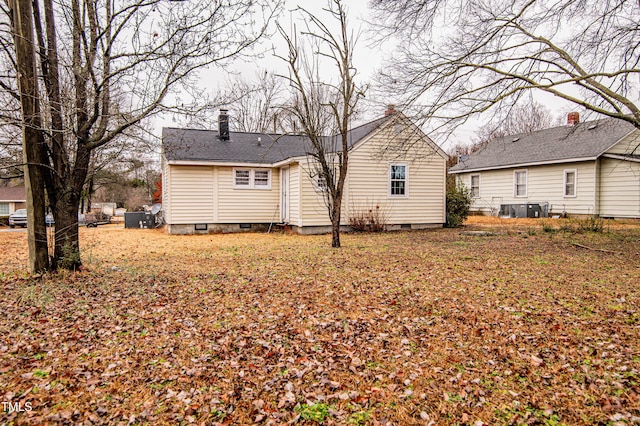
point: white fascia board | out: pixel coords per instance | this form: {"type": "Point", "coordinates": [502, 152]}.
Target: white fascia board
{"type": "Point", "coordinates": [218, 163]}
{"type": "Point", "coordinates": [234, 163]}
{"type": "Point", "coordinates": [288, 161]}
{"type": "Point", "coordinates": [521, 165]}
{"type": "Point", "coordinates": [622, 157]}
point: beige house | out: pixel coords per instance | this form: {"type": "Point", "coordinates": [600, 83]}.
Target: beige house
{"type": "Point", "coordinates": [590, 168]}
{"type": "Point", "coordinates": [221, 181]}
{"type": "Point", "coordinates": [11, 199]}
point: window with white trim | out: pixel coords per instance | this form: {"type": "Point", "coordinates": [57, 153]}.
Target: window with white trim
{"type": "Point", "coordinates": [321, 183]}
{"type": "Point", "coordinates": [261, 178]}
{"type": "Point", "coordinates": [398, 180]}
{"type": "Point", "coordinates": [252, 178]}
{"type": "Point", "coordinates": [570, 182]}
{"type": "Point", "coordinates": [520, 183]}
{"type": "Point", "coordinates": [4, 209]}
{"type": "Point", "coordinates": [474, 184]}
{"type": "Point", "coordinates": [242, 178]}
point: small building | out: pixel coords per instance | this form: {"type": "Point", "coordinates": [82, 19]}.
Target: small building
{"type": "Point", "coordinates": [12, 199]}
{"type": "Point", "coordinates": [221, 181]}
{"type": "Point", "coordinates": [590, 168]}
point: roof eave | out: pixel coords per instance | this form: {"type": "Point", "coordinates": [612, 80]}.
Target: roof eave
{"type": "Point", "coordinates": [520, 165]}
{"type": "Point", "coordinates": [216, 163]}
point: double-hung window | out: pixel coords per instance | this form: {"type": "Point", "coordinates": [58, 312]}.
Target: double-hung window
{"type": "Point", "coordinates": [475, 186]}
{"type": "Point", "coordinates": [398, 180]}
{"type": "Point", "coordinates": [4, 209]}
{"type": "Point", "coordinates": [252, 178]}
{"type": "Point", "coordinates": [570, 183]}
{"type": "Point", "coordinates": [520, 183]}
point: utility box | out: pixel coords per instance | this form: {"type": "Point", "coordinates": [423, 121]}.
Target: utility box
{"type": "Point", "coordinates": [139, 220]}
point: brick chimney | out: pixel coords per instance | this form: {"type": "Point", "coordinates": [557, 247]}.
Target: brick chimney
{"type": "Point", "coordinates": [391, 109]}
{"type": "Point", "coordinates": [573, 118]}
{"type": "Point", "coordinates": [223, 125]}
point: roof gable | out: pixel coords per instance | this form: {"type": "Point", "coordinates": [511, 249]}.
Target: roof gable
{"type": "Point", "coordinates": [256, 148]}
{"type": "Point", "coordinates": [582, 141]}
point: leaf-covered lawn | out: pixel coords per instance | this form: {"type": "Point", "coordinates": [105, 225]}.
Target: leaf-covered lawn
{"type": "Point", "coordinates": [437, 327]}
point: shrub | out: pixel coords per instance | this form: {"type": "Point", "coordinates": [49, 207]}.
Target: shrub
{"type": "Point", "coordinates": [370, 218]}
{"type": "Point", "coordinates": [458, 204]}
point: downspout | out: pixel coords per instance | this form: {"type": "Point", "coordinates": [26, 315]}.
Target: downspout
{"type": "Point", "coordinates": [597, 188]}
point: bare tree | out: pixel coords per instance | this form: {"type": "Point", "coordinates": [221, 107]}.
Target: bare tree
{"type": "Point", "coordinates": [32, 138]}
{"type": "Point", "coordinates": [458, 58]}
{"type": "Point", "coordinates": [322, 109]}
{"type": "Point", "coordinates": [522, 118]}
{"type": "Point", "coordinates": [256, 105]}
{"type": "Point", "coordinates": [107, 66]}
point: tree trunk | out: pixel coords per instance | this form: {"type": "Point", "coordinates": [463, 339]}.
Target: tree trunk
{"type": "Point", "coordinates": [335, 233]}
{"type": "Point", "coordinates": [67, 248]}
{"type": "Point", "coordinates": [32, 136]}
{"type": "Point", "coordinates": [336, 211]}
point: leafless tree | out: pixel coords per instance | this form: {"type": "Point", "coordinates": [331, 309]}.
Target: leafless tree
{"type": "Point", "coordinates": [458, 58]}
{"type": "Point", "coordinates": [256, 105]}
{"type": "Point", "coordinates": [32, 137]}
{"type": "Point", "coordinates": [522, 118]}
{"type": "Point", "coordinates": [324, 110]}
{"type": "Point", "coordinates": [105, 67]}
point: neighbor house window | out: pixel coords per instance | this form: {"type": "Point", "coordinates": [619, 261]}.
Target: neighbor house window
{"type": "Point", "coordinates": [4, 209]}
{"type": "Point", "coordinates": [520, 183]}
{"type": "Point", "coordinates": [252, 178]}
{"type": "Point", "coordinates": [570, 178]}
{"type": "Point", "coordinates": [398, 180]}
{"type": "Point", "coordinates": [475, 186]}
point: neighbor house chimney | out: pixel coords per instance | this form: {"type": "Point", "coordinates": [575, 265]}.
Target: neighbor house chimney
{"type": "Point", "coordinates": [223, 125]}
{"type": "Point", "coordinates": [391, 109]}
{"type": "Point", "coordinates": [573, 118]}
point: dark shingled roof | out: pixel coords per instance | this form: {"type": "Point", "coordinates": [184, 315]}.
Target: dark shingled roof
{"type": "Point", "coordinates": [260, 148]}
{"type": "Point", "coordinates": [15, 193]}
{"type": "Point", "coordinates": [584, 140]}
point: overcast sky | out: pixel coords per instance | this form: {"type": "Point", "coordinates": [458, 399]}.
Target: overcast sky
{"type": "Point", "coordinates": [367, 59]}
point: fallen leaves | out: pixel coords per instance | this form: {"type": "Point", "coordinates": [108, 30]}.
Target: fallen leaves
{"type": "Point", "coordinates": [439, 327]}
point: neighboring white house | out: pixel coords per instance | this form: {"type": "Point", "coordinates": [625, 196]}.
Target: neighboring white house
{"type": "Point", "coordinates": [11, 199]}
{"type": "Point", "coordinates": [590, 168]}
{"type": "Point", "coordinates": [244, 181]}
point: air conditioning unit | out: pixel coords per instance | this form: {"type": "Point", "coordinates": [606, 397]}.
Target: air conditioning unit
{"type": "Point", "coordinates": [531, 210]}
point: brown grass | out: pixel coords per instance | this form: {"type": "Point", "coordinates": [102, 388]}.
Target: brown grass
{"type": "Point", "coordinates": [399, 328]}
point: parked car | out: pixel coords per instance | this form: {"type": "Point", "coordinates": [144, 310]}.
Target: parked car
{"type": "Point", "coordinates": [19, 218]}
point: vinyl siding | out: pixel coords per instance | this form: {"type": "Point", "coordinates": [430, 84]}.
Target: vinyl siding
{"type": "Point", "coordinates": [544, 184]}
{"type": "Point", "coordinates": [426, 174]}
{"type": "Point", "coordinates": [191, 192]}
{"type": "Point", "coordinates": [628, 145]}
{"type": "Point", "coordinates": [313, 209]}
{"type": "Point", "coordinates": [294, 194]}
{"type": "Point", "coordinates": [247, 205]}
{"type": "Point", "coordinates": [619, 188]}
{"type": "Point", "coordinates": [166, 188]}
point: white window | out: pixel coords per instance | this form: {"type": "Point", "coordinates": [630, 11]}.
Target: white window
{"type": "Point", "coordinates": [261, 178]}
{"type": "Point", "coordinates": [242, 178]}
{"type": "Point", "coordinates": [252, 179]}
{"type": "Point", "coordinates": [520, 183]}
{"type": "Point", "coordinates": [4, 209]}
{"type": "Point", "coordinates": [475, 186]}
{"type": "Point", "coordinates": [398, 180]}
{"type": "Point", "coordinates": [570, 182]}
{"type": "Point", "coordinates": [321, 183]}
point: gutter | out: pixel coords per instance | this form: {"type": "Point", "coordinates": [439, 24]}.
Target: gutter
{"type": "Point", "coordinates": [518, 165]}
